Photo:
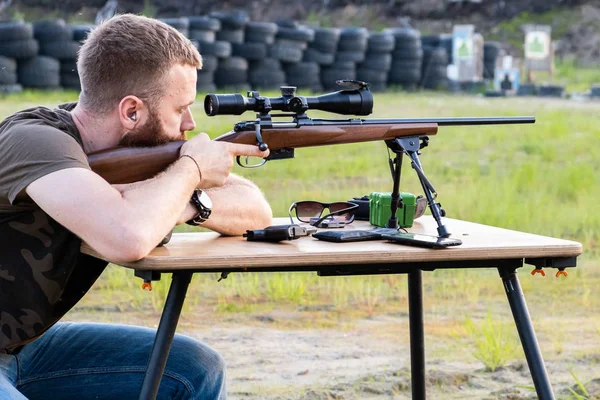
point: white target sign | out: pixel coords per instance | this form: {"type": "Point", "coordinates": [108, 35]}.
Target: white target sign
{"type": "Point", "coordinates": [537, 45]}
{"type": "Point", "coordinates": [538, 50]}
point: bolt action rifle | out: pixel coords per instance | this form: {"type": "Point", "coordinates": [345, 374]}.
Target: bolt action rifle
{"type": "Point", "coordinates": [405, 136]}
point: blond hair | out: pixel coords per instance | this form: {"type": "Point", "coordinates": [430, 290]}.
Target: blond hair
{"type": "Point", "coordinates": [130, 55]}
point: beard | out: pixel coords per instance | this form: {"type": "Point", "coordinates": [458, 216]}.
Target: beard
{"type": "Point", "coordinates": [150, 134]}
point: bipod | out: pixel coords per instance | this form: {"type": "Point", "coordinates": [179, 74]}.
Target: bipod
{"type": "Point", "coordinates": [411, 146]}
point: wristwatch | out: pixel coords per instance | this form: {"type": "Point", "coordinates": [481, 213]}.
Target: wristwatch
{"type": "Point", "coordinates": [203, 204]}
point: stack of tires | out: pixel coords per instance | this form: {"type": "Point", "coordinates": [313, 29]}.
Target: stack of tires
{"type": "Point", "coordinates": [261, 32]}
{"type": "Point", "coordinates": [551, 91]}
{"type": "Point", "coordinates": [202, 30]}
{"type": "Point", "coordinates": [57, 42]}
{"type": "Point", "coordinates": [378, 61]}
{"type": "Point", "coordinates": [16, 45]}
{"type": "Point", "coordinates": [407, 58]}
{"type": "Point", "coordinates": [239, 55]}
{"type": "Point", "coordinates": [267, 74]}
{"type": "Point", "coordinates": [264, 72]}
{"type": "Point", "coordinates": [322, 52]}
{"type": "Point", "coordinates": [491, 51]}
{"type": "Point", "coordinates": [8, 76]}
{"type": "Point", "coordinates": [527, 89]}
{"type": "Point", "coordinates": [304, 75]}
{"type": "Point", "coordinates": [290, 43]}
{"type": "Point", "coordinates": [232, 71]}
{"type": "Point", "coordinates": [434, 68]}
{"type": "Point", "coordinates": [69, 75]}
{"type": "Point", "coordinates": [431, 41]}
{"type": "Point", "coordinates": [351, 49]}
{"type": "Point", "coordinates": [232, 25]}
{"type": "Point", "coordinates": [446, 44]}
{"type": "Point", "coordinates": [56, 47]}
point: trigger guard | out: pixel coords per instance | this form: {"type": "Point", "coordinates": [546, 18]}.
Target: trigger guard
{"type": "Point", "coordinates": [237, 159]}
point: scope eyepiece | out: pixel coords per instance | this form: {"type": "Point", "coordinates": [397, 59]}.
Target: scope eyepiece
{"type": "Point", "coordinates": [353, 101]}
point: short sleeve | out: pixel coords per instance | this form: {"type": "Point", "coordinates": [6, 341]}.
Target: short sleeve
{"type": "Point", "coordinates": [29, 151]}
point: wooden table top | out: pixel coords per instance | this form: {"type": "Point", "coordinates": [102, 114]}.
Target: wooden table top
{"type": "Point", "coordinates": [209, 250]}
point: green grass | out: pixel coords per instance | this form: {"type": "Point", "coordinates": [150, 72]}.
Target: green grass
{"type": "Point", "coordinates": [581, 393]}
{"type": "Point", "coordinates": [495, 344]}
{"type": "Point", "coordinates": [576, 78]}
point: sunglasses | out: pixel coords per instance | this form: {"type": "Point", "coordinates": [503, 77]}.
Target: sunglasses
{"type": "Point", "coordinates": [311, 212]}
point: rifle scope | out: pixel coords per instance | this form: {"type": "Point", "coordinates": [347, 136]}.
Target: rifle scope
{"type": "Point", "coordinates": [355, 101]}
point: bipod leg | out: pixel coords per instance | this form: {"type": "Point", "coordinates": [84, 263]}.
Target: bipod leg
{"type": "Point", "coordinates": [396, 200]}
{"type": "Point", "coordinates": [429, 190]}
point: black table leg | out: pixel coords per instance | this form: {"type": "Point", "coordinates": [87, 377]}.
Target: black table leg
{"type": "Point", "coordinates": [164, 334]}
{"type": "Point", "coordinates": [417, 339]}
{"type": "Point", "coordinates": [533, 354]}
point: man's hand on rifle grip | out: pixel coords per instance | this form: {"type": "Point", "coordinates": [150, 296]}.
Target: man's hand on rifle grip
{"type": "Point", "coordinates": [215, 159]}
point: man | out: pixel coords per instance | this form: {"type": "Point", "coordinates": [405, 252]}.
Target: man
{"type": "Point", "coordinates": [138, 79]}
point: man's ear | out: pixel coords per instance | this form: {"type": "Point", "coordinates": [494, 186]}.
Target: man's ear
{"type": "Point", "coordinates": [132, 112]}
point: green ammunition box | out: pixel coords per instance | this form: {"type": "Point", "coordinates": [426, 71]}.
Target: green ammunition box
{"type": "Point", "coordinates": [380, 209]}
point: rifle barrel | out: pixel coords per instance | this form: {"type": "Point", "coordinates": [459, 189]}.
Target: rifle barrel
{"type": "Point", "coordinates": [456, 121]}
{"type": "Point", "coordinates": [444, 121]}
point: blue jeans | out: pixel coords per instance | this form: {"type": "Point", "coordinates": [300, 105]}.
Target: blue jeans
{"type": "Point", "coordinates": [81, 361]}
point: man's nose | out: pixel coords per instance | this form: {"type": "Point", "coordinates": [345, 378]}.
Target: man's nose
{"type": "Point", "coordinates": [188, 123]}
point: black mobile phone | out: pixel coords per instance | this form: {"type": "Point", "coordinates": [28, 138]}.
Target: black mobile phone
{"type": "Point", "coordinates": [343, 236]}
{"type": "Point", "coordinates": [418, 239]}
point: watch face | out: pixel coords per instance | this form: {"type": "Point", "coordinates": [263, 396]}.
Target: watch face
{"type": "Point", "coordinates": [205, 200]}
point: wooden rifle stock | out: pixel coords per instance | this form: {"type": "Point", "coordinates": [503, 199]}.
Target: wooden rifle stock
{"type": "Point", "coordinates": [133, 164]}
{"type": "Point", "coordinates": [325, 135]}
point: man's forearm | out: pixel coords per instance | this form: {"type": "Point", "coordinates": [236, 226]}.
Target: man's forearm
{"type": "Point", "coordinates": [237, 206]}
{"type": "Point", "coordinates": [156, 204]}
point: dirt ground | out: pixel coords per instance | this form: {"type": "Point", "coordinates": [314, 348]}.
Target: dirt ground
{"type": "Point", "coordinates": [365, 359]}
{"type": "Point", "coordinates": [358, 364]}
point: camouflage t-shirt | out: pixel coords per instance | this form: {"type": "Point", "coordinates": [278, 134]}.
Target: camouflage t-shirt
{"type": "Point", "coordinates": [42, 272]}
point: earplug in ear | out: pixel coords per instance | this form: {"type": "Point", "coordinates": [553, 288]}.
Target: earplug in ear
{"type": "Point", "coordinates": [132, 117]}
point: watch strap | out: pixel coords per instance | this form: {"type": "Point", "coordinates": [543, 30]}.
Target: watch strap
{"type": "Point", "coordinates": [203, 211]}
